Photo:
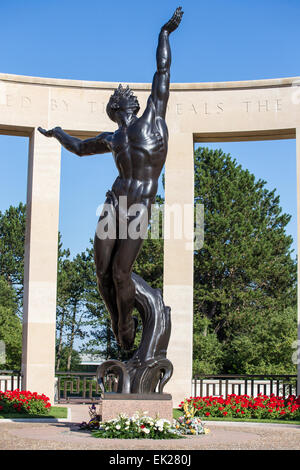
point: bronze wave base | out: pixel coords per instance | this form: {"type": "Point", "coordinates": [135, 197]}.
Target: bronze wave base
{"type": "Point", "coordinates": [148, 371]}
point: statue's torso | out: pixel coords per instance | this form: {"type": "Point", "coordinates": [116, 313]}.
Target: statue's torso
{"type": "Point", "coordinates": [140, 152]}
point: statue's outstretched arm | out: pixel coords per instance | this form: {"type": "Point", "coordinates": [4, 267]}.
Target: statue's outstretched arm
{"type": "Point", "coordinates": [161, 79]}
{"type": "Point", "coordinates": [91, 146]}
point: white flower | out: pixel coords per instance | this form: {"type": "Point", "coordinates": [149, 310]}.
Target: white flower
{"type": "Point", "coordinates": [160, 423]}
{"type": "Point", "coordinates": [146, 430]}
{"type": "Point", "coordinates": [118, 427]}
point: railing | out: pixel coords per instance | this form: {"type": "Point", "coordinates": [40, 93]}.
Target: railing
{"type": "Point", "coordinates": [77, 387]}
{"type": "Point", "coordinates": [10, 380]}
{"type": "Point", "coordinates": [217, 385]}
{"type": "Point", "coordinates": [81, 387]}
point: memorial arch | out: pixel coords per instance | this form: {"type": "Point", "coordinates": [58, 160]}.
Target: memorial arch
{"type": "Point", "coordinates": [197, 112]}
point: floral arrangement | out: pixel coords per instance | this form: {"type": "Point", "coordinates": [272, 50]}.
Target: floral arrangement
{"type": "Point", "coordinates": [188, 423]}
{"type": "Point", "coordinates": [139, 426]}
{"type": "Point", "coordinates": [22, 401]}
{"type": "Point", "coordinates": [244, 406]}
{"type": "Point", "coordinates": [94, 421]}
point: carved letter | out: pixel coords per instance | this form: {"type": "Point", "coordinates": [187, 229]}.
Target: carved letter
{"type": "Point", "coordinates": [247, 105]}
{"type": "Point", "coordinates": [53, 104]}
{"type": "Point", "coordinates": [92, 107]}
{"type": "Point", "coordinates": [263, 105]}
{"type": "Point", "coordinates": [193, 109]}
{"type": "Point", "coordinates": [66, 105]}
{"type": "Point", "coordinates": [26, 102]}
{"type": "Point", "coordinates": [220, 108]}
{"type": "Point", "coordinates": [9, 100]}
{"type": "Point", "coordinates": [278, 104]}
{"type": "Point", "coordinates": [179, 108]}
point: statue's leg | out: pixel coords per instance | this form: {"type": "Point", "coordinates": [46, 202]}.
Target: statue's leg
{"type": "Point", "coordinates": [123, 260]}
{"type": "Point", "coordinates": [103, 252]}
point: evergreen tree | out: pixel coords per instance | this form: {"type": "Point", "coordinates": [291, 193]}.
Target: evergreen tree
{"type": "Point", "coordinates": [73, 315]}
{"type": "Point", "coordinates": [12, 240]}
{"type": "Point", "coordinates": [10, 327]}
{"type": "Point", "coordinates": [244, 274]}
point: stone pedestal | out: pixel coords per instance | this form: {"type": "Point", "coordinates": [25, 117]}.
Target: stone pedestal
{"type": "Point", "coordinates": [112, 404]}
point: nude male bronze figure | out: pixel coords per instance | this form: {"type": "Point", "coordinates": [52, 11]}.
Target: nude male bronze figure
{"type": "Point", "coordinates": [139, 147]}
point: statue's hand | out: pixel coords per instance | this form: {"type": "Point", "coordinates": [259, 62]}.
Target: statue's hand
{"type": "Point", "coordinates": [50, 133]}
{"type": "Point", "coordinates": [174, 22]}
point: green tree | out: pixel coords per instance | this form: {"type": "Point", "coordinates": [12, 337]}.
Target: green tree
{"type": "Point", "coordinates": [12, 239]}
{"type": "Point", "coordinates": [244, 273]}
{"type": "Point", "coordinates": [69, 362]}
{"type": "Point", "coordinates": [10, 326]}
{"type": "Point", "coordinates": [150, 261]}
{"type": "Point", "coordinates": [264, 346]}
{"type": "Point", "coordinates": [207, 349]}
{"type": "Point", "coordinates": [63, 285]}
{"type": "Point", "coordinates": [73, 316]}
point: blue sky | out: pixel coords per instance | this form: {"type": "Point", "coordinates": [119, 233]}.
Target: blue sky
{"type": "Point", "coordinates": [116, 41]}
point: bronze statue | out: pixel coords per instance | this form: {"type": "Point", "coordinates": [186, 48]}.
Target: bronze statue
{"type": "Point", "coordinates": [139, 147]}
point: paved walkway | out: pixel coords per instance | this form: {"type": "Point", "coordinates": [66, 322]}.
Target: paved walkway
{"type": "Point", "coordinates": [243, 436]}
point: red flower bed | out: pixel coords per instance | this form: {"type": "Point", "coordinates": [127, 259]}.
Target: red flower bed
{"type": "Point", "coordinates": [244, 406]}
{"type": "Point", "coordinates": [23, 401]}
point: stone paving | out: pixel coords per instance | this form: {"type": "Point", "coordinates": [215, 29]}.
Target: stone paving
{"type": "Point", "coordinates": [67, 436]}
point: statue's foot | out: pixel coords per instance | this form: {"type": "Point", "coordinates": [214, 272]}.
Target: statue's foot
{"type": "Point", "coordinates": [126, 333]}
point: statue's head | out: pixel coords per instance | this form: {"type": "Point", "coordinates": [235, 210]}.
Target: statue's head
{"type": "Point", "coordinates": [123, 99]}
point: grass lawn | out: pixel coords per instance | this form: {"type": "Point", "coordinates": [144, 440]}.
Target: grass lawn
{"type": "Point", "coordinates": [177, 413]}
{"type": "Point", "coordinates": [55, 412]}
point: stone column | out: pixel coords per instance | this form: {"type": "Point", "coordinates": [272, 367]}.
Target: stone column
{"type": "Point", "coordinates": [40, 271]}
{"type": "Point", "coordinates": [298, 242]}
{"type": "Point", "coordinates": [179, 264]}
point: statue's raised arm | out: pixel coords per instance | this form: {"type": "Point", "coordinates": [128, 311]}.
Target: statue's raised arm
{"type": "Point", "coordinates": [161, 79]}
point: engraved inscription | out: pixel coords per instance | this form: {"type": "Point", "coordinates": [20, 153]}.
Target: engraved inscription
{"type": "Point", "coordinates": [59, 105]}
{"type": "Point", "coordinates": [10, 101]}
{"type": "Point", "coordinates": [206, 108]}
{"type": "Point", "coordinates": [25, 102]}
{"type": "Point", "coordinates": [263, 106]}
{"type": "Point", "coordinates": [210, 109]}
{"type": "Point", "coordinates": [203, 108]}
{"type": "Point", "coordinates": [95, 107]}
